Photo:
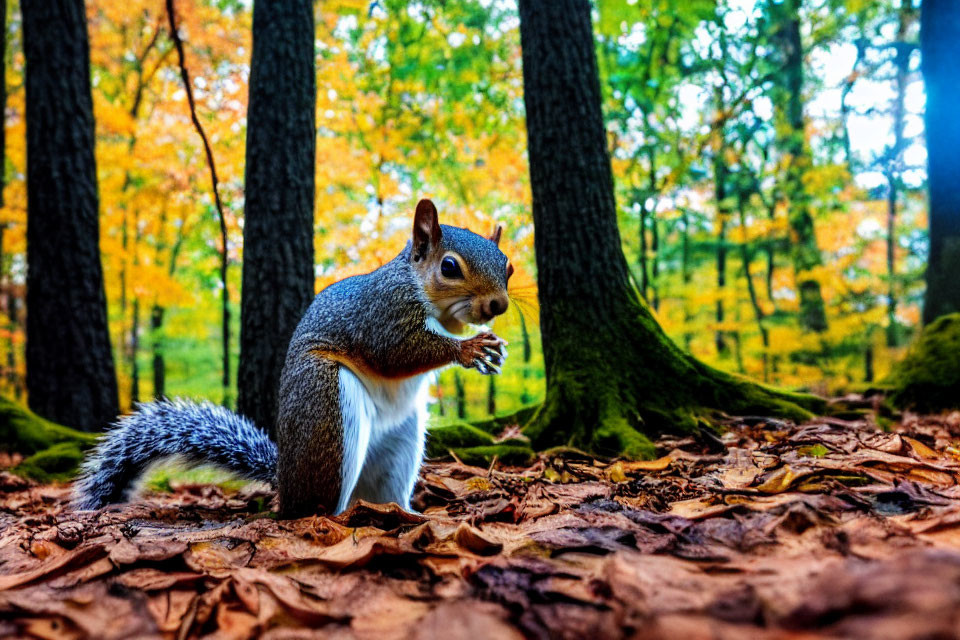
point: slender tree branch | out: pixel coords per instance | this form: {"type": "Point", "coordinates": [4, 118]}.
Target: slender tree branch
{"type": "Point", "coordinates": [185, 77]}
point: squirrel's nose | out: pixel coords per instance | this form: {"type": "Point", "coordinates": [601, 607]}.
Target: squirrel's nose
{"type": "Point", "coordinates": [495, 306]}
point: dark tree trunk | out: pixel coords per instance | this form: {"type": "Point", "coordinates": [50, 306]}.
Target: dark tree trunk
{"type": "Point", "coordinates": [642, 254]}
{"type": "Point", "coordinates": [70, 373]}
{"type": "Point", "coordinates": [613, 377]}
{"type": "Point", "coordinates": [788, 103]}
{"type": "Point", "coordinates": [159, 365]}
{"type": "Point", "coordinates": [527, 354]}
{"type": "Point", "coordinates": [461, 395]}
{"type": "Point", "coordinates": [491, 395]}
{"type": "Point", "coordinates": [278, 227]}
{"type": "Point", "coordinates": [940, 50]}
{"type": "Point", "coordinates": [652, 186]}
{"type": "Point", "coordinates": [13, 377]}
{"type": "Point", "coordinates": [134, 350]}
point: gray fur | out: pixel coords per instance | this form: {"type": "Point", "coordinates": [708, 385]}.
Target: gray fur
{"type": "Point", "coordinates": [198, 432]}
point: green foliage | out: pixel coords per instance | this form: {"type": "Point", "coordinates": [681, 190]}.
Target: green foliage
{"type": "Point", "coordinates": [928, 378]}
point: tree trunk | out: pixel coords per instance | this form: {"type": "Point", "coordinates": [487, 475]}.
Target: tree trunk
{"type": "Point", "coordinates": [159, 365]}
{"type": "Point", "coordinates": [940, 50]}
{"type": "Point", "coordinates": [788, 104]}
{"type": "Point", "coordinates": [745, 256]}
{"type": "Point", "coordinates": [491, 395]}
{"type": "Point", "coordinates": [70, 373]}
{"type": "Point", "coordinates": [461, 395]}
{"type": "Point", "coordinates": [894, 168]}
{"type": "Point", "coordinates": [642, 255]}
{"type": "Point", "coordinates": [278, 227]}
{"type": "Point", "coordinates": [654, 301]}
{"type": "Point", "coordinates": [720, 173]}
{"type": "Point", "coordinates": [134, 350]}
{"type": "Point", "coordinates": [613, 376]}
{"type": "Point", "coordinates": [527, 354]}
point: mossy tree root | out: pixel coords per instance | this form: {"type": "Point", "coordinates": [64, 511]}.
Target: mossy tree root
{"type": "Point", "coordinates": [927, 380]}
{"type": "Point", "coordinates": [473, 445]}
{"type": "Point", "coordinates": [614, 401]}
{"type": "Point", "coordinates": [54, 451]}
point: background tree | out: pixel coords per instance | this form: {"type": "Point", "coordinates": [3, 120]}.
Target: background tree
{"type": "Point", "coordinates": [278, 225]}
{"type": "Point", "coordinates": [940, 48]}
{"type": "Point", "coordinates": [787, 94]}
{"type": "Point", "coordinates": [612, 374]}
{"type": "Point", "coordinates": [70, 374]}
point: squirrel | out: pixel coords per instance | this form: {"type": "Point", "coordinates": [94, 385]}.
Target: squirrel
{"type": "Point", "coordinates": [352, 401]}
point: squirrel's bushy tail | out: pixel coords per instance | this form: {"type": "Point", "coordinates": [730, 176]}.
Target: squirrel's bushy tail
{"type": "Point", "coordinates": [198, 432]}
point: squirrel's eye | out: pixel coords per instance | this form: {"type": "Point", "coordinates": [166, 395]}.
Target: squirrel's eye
{"type": "Point", "coordinates": [450, 269]}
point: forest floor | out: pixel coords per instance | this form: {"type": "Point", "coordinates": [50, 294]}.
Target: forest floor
{"type": "Point", "coordinates": [831, 528]}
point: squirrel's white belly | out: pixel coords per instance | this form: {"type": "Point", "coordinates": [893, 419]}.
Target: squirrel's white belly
{"type": "Point", "coordinates": [390, 402]}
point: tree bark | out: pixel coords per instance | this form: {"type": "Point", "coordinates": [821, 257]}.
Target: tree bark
{"type": "Point", "coordinates": [461, 395]}
{"type": "Point", "coordinates": [940, 50]}
{"type": "Point", "coordinates": [159, 364]}
{"type": "Point", "coordinates": [894, 168]}
{"type": "Point", "coordinates": [70, 370]}
{"type": "Point", "coordinates": [278, 226]}
{"type": "Point", "coordinates": [613, 376]}
{"type": "Point", "coordinates": [788, 105]}
{"type": "Point", "coordinates": [491, 395]}
{"type": "Point", "coordinates": [720, 176]}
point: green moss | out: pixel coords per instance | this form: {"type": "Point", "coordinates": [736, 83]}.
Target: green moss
{"type": "Point", "coordinates": [928, 379]}
{"type": "Point", "coordinates": [57, 463]}
{"type": "Point", "coordinates": [618, 436]}
{"type": "Point", "coordinates": [505, 453]}
{"type": "Point", "coordinates": [738, 395]}
{"type": "Point", "coordinates": [163, 477]}
{"type": "Point", "coordinates": [495, 424]}
{"type": "Point", "coordinates": [25, 432]}
{"type": "Point", "coordinates": [54, 451]}
{"type": "Point", "coordinates": [441, 439]}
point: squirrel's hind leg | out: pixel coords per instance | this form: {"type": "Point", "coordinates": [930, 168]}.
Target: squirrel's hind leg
{"type": "Point", "coordinates": [323, 429]}
{"type": "Point", "coordinates": [393, 463]}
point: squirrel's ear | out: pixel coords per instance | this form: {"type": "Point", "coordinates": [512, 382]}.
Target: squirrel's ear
{"type": "Point", "coordinates": [426, 229]}
{"type": "Point", "coordinates": [495, 236]}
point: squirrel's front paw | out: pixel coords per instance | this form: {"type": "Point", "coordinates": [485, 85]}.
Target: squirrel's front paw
{"type": "Point", "coordinates": [484, 352]}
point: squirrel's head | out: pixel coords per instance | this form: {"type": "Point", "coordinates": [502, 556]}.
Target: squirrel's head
{"type": "Point", "coordinates": [463, 274]}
